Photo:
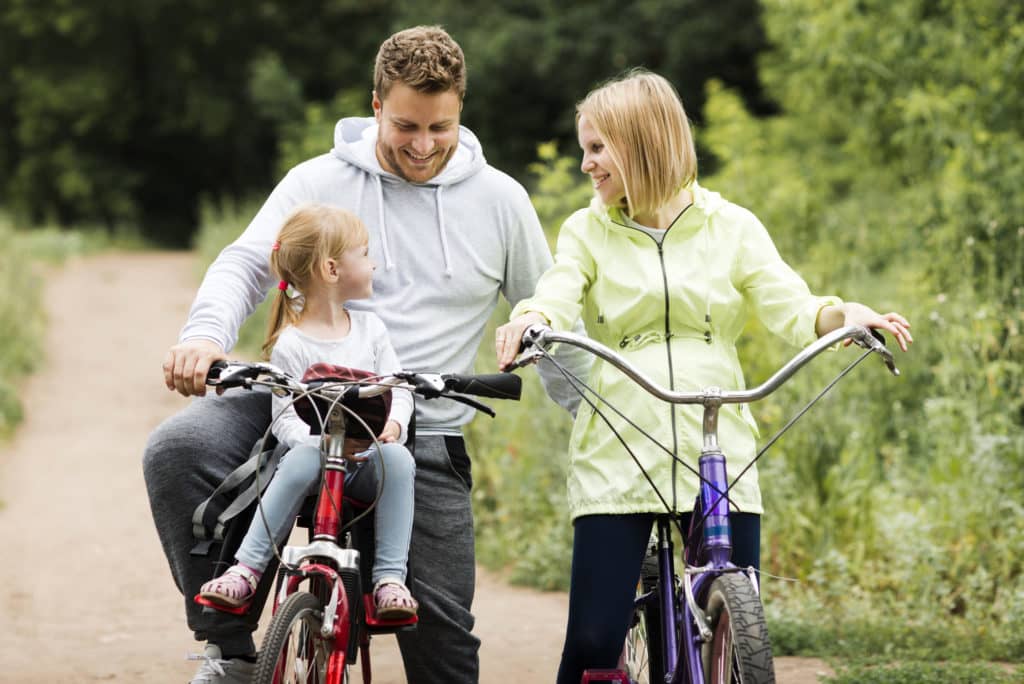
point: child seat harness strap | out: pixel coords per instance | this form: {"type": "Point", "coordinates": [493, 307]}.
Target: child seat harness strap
{"type": "Point", "coordinates": [218, 510]}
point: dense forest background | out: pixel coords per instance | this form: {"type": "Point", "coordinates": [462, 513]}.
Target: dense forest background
{"type": "Point", "coordinates": [881, 142]}
{"type": "Point", "coordinates": [129, 113]}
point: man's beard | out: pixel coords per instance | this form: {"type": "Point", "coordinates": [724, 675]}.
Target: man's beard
{"type": "Point", "coordinates": [392, 158]}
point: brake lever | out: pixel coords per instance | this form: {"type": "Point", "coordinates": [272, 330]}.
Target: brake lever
{"type": "Point", "coordinates": [532, 337]}
{"type": "Point", "coordinates": [463, 399]}
{"type": "Point", "coordinates": [525, 359]}
{"type": "Point", "coordinates": [875, 341]}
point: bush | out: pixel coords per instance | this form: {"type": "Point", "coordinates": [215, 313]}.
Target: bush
{"type": "Point", "coordinates": [23, 260]}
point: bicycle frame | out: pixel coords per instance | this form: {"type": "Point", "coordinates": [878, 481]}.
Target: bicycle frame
{"type": "Point", "coordinates": [330, 566]}
{"type": "Point", "coordinates": [324, 562]}
{"type": "Point", "coordinates": [716, 543]}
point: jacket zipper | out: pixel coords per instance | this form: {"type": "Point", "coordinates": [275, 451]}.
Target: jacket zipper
{"type": "Point", "coordinates": [671, 371]}
{"type": "Point", "coordinates": [668, 342]}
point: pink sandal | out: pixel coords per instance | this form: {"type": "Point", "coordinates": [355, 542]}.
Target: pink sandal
{"type": "Point", "coordinates": [235, 588]}
{"type": "Point", "coordinates": [393, 600]}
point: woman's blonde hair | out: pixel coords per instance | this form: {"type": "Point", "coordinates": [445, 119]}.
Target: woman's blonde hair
{"type": "Point", "coordinates": [311, 235]}
{"type": "Point", "coordinates": [641, 120]}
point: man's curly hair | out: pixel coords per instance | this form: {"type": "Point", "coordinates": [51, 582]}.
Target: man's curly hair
{"type": "Point", "coordinates": [425, 58]}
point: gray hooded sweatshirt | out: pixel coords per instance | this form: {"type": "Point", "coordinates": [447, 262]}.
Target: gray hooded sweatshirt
{"type": "Point", "coordinates": [444, 250]}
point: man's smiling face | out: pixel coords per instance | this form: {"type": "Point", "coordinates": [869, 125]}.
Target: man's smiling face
{"type": "Point", "coordinates": [418, 133]}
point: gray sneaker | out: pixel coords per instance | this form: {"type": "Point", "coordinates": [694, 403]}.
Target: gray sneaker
{"type": "Point", "coordinates": [216, 670]}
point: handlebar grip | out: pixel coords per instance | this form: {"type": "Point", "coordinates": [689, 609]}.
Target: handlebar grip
{"type": "Point", "coordinates": [495, 385]}
{"type": "Point", "coordinates": [227, 374]}
{"type": "Point", "coordinates": [216, 368]}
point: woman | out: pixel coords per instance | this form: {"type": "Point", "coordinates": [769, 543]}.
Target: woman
{"type": "Point", "coordinates": [667, 273]}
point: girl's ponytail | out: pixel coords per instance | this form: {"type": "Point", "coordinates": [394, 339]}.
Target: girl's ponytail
{"type": "Point", "coordinates": [282, 313]}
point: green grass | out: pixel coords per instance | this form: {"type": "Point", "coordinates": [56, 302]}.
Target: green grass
{"type": "Point", "coordinates": [24, 260]}
{"type": "Point", "coordinates": [925, 673]}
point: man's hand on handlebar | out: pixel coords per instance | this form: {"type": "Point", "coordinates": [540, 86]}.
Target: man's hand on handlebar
{"type": "Point", "coordinates": [509, 337]}
{"type": "Point", "coordinates": [187, 363]}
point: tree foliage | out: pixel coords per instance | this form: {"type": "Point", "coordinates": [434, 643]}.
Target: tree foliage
{"type": "Point", "coordinates": [131, 112]}
{"type": "Point", "coordinates": [128, 112]}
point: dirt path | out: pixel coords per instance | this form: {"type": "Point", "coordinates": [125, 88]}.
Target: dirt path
{"type": "Point", "coordinates": [85, 593]}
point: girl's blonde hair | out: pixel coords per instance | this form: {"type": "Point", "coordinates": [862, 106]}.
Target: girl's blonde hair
{"type": "Point", "coordinates": [311, 235]}
{"type": "Point", "coordinates": [641, 120]}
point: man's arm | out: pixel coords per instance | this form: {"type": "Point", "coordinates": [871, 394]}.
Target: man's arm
{"type": "Point", "coordinates": [236, 282]}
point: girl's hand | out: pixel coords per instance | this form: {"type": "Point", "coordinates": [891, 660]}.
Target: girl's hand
{"type": "Point", "coordinates": [858, 314]}
{"type": "Point", "coordinates": [508, 337]}
{"type": "Point", "coordinates": [392, 431]}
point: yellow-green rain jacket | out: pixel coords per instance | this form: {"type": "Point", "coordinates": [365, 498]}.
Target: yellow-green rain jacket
{"type": "Point", "coordinates": [679, 307]}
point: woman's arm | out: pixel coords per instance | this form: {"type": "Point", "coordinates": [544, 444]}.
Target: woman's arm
{"type": "Point", "coordinates": [558, 298]}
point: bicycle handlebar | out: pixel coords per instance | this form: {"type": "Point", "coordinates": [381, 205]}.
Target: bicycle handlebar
{"type": "Point", "coordinates": [428, 385]}
{"type": "Point", "coordinates": [543, 337]}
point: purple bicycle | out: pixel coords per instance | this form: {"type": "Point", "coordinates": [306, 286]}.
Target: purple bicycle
{"type": "Point", "coordinates": [706, 626]}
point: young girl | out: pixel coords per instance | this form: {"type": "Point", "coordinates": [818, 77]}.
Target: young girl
{"type": "Point", "coordinates": [668, 274]}
{"type": "Point", "coordinates": [322, 253]}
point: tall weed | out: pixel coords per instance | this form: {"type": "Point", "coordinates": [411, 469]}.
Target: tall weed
{"type": "Point", "coordinates": [27, 253]}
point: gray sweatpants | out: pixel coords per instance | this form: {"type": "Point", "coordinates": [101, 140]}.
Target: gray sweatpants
{"type": "Point", "coordinates": [189, 454]}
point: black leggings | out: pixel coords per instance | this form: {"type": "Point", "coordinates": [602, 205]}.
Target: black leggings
{"type": "Point", "coordinates": [607, 553]}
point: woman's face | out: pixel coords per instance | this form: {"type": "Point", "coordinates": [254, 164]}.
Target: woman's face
{"type": "Point", "coordinates": [597, 163]}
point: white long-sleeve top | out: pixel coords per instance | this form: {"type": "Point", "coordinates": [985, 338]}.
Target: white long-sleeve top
{"type": "Point", "coordinates": [367, 347]}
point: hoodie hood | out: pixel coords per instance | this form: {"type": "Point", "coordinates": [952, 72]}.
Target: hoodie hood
{"type": "Point", "coordinates": [355, 142]}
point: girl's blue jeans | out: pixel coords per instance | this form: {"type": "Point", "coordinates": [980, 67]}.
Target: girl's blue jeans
{"type": "Point", "coordinates": [298, 475]}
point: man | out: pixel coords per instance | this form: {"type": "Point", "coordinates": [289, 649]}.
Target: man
{"type": "Point", "coordinates": [450, 233]}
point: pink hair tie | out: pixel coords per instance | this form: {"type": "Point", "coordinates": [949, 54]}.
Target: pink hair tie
{"type": "Point", "coordinates": [283, 285]}
{"type": "Point", "coordinates": [276, 246]}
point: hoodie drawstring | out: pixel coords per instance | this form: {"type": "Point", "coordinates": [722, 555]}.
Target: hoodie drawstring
{"type": "Point", "coordinates": [389, 263]}
{"type": "Point", "coordinates": [443, 233]}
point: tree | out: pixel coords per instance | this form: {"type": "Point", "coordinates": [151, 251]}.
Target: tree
{"type": "Point", "coordinates": [129, 112]}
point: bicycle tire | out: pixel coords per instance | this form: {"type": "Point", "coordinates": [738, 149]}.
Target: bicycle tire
{"type": "Point", "coordinates": [642, 653]}
{"type": "Point", "coordinates": [739, 651]}
{"type": "Point", "coordinates": [293, 650]}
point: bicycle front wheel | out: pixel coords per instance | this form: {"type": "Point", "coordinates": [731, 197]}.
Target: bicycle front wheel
{"type": "Point", "coordinates": [739, 651]}
{"type": "Point", "coordinates": [642, 654]}
{"type": "Point", "coordinates": [294, 652]}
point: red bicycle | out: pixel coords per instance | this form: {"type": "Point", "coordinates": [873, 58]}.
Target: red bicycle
{"type": "Point", "coordinates": [322, 616]}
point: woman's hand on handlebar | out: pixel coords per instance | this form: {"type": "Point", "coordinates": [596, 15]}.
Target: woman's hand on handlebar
{"type": "Point", "coordinates": [852, 313]}
{"type": "Point", "coordinates": [508, 337]}
{"type": "Point", "coordinates": [187, 363]}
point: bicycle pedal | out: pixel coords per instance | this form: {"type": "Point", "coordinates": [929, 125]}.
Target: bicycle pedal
{"type": "Point", "coordinates": [617, 676]}
{"type": "Point", "coordinates": [374, 623]}
{"type": "Point", "coordinates": [234, 610]}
